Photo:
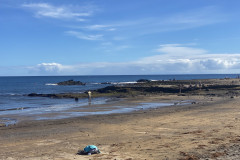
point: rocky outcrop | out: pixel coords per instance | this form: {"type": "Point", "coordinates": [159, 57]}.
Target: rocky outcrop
{"type": "Point", "coordinates": [143, 81]}
{"type": "Point", "coordinates": [211, 87]}
{"type": "Point", "coordinates": [43, 95]}
{"type": "Point", "coordinates": [71, 82]}
{"type": "Point", "coordinates": [106, 83]}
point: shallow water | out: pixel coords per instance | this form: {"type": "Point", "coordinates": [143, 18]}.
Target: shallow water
{"type": "Point", "coordinates": [98, 110]}
{"type": "Point", "coordinates": [41, 105]}
{"type": "Point", "coordinates": [81, 110]}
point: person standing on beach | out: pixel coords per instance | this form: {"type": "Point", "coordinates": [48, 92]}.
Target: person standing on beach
{"type": "Point", "coordinates": [89, 96]}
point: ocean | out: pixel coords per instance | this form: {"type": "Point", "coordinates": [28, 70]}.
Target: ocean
{"type": "Point", "coordinates": [14, 102]}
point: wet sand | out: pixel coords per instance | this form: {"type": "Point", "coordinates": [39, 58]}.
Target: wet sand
{"type": "Point", "coordinates": [209, 129]}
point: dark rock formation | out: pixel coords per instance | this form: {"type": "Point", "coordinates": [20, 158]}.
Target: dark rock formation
{"type": "Point", "coordinates": [143, 81]}
{"type": "Point", "coordinates": [211, 87]}
{"type": "Point", "coordinates": [43, 95]}
{"type": "Point", "coordinates": [71, 82]}
{"type": "Point", "coordinates": [106, 83]}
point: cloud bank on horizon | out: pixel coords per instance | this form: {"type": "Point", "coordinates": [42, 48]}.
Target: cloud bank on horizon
{"type": "Point", "coordinates": [120, 37]}
{"type": "Point", "coordinates": [172, 59]}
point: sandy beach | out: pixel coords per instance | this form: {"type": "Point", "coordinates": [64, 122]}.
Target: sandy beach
{"type": "Point", "coordinates": [208, 129]}
{"type": "Point", "coordinates": [119, 80]}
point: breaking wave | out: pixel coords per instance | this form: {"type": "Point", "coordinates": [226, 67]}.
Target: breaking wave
{"type": "Point", "coordinates": [51, 84]}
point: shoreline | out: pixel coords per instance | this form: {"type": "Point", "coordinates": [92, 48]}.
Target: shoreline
{"type": "Point", "coordinates": [208, 88]}
{"type": "Point", "coordinates": [61, 104]}
{"type": "Point", "coordinates": [111, 106]}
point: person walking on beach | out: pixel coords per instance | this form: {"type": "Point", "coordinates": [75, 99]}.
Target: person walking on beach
{"type": "Point", "coordinates": [89, 96]}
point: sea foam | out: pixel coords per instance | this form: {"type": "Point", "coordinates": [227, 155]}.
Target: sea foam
{"type": "Point", "coordinates": [51, 84]}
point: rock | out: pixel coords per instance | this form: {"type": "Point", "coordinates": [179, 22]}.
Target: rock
{"type": "Point", "coordinates": [106, 83]}
{"type": "Point", "coordinates": [143, 81]}
{"type": "Point", "coordinates": [43, 95]}
{"type": "Point", "coordinates": [71, 82]}
{"type": "Point", "coordinates": [32, 94]}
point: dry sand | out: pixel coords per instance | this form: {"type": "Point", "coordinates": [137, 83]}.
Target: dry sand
{"type": "Point", "coordinates": [209, 129]}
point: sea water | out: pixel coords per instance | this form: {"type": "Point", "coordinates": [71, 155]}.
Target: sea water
{"type": "Point", "coordinates": [14, 90]}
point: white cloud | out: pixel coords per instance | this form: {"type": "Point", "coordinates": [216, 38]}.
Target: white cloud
{"type": "Point", "coordinates": [165, 62]}
{"type": "Point", "coordinates": [161, 23]}
{"type": "Point", "coordinates": [49, 69]}
{"type": "Point", "coordinates": [170, 22]}
{"type": "Point", "coordinates": [94, 28]}
{"type": "Point", "coordinates": [100, 27]}
{"type": "Point", "coordinates": [58, 12]}
{"type": "Point", "coordinates": [81, 35]}
{"type": "Point", "coordinates": [176, 58]}
{"type": "Point", "coordinates": [179, 50]}
{"type": "Point", "coordinates": [126, 29]}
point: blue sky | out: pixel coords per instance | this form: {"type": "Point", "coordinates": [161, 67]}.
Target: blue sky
{"type": "Point", "coordinates": [99, 37]}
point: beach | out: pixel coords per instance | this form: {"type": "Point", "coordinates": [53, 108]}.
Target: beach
{"type": "Point", "coordinates": [119, 80]}
{"type": "Point", "coordinates": [207, 129]}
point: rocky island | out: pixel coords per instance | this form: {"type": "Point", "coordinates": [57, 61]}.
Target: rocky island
{"type": "Point", "coordinates": [71, 82]}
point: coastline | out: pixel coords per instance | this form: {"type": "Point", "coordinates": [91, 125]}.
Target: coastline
{"type": "Point", "coordinates": [206, 128]}
{"type": "Point", "coordinates": [59, 105]}
{"type": "Point", "coordinates": [203, 130]}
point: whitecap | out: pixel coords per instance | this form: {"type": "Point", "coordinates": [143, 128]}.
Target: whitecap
{"type": "Point", "coordinates": [125, 82]}
{"type": "Point", "coordinates": [51, 84]}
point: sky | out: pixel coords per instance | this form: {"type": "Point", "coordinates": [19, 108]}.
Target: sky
{"type": "Point", "coordinates": [119, 37]}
